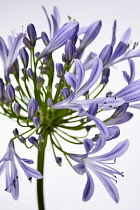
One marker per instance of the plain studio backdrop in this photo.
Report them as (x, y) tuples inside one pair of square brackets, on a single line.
[(63, 187)]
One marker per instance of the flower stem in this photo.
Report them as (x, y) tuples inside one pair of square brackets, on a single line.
[(40, 167)]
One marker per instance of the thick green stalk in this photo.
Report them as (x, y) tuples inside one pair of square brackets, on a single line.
[(40, 167)]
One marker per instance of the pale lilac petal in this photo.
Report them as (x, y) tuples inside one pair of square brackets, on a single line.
[(14, 51), (88, 144), (114, 132), (99, 144), (90, 34), (120, 49), (131, 54), (137, 106), (130, 93), (109, 186), (3, 51), (80, 168), (82, 30), (126, 36), (77, 157), (89, 61), (132, 70), (106, 54), (114, 34), (14, 178), (68, 31), (71, 80), (120, 119), (56, 15), (116, 152), (126, 76), (49, 22), (55, 25), (89, 187), (94, 76), (93, 108), (120, 110), (100, 125), (80, 72)]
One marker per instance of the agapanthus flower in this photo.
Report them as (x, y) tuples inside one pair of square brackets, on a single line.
[(8, 163), (100, 166)]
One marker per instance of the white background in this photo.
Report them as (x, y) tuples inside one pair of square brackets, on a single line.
[(63, 187)]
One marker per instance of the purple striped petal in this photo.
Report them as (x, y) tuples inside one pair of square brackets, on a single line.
[(89, 61), (71, 80), (89, 187), (14, 50), (93, 108), (3, 51), (80, 168), (80, 72), (114, 34), (120, 119), (14, 179), (116, 152), (106, 54), (94, 76), (120, 49), (109, 186), (68, 31), (126, 36), (114, 132), (100, 125), (88, 144), (132, 70), (120, 110), (130, 93), (56, 15), (137, 106), (90, 34), (55, 25), (99, 144)]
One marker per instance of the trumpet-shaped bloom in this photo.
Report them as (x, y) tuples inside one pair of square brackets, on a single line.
[(100, 166), (9, 56), (8, 164)]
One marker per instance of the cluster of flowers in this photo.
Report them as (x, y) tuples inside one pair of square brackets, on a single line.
[(45, 97)]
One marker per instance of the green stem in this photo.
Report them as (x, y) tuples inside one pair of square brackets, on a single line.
[(40, 167)]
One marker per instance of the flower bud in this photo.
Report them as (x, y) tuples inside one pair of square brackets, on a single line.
[(1, 88), (24, 57), (32, 34), (65, 92), (69, 51), (41, 138), (15, 132), (33, 141), (49, 102), (59, 69), (45, 38), (17, 108), (30, 73), (10, 93), (22, 139), (27, 43), (40, 82), (58, 160), (36, 122), (32, 108)]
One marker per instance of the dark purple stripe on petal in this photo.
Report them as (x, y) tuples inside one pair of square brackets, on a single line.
[(89, 187)]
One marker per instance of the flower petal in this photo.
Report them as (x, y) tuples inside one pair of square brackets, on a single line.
[(79, 71), (109, 186), (88, 144), (68, 31), (89, 187), (116, 152), (114, 132), (94, 76), (120, 119)]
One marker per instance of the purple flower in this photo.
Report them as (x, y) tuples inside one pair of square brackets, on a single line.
[(100, 166), (11, 172), (68, 31), (9, 56)]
